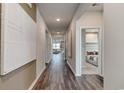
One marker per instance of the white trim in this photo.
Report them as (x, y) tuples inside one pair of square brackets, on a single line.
[(78, 52), (49, 60), (78, 75), (34, 82), (100, 45), (2, 38), (71, 67)]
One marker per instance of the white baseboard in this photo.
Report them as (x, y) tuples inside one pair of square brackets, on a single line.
[(71, 67), (78, 75), (35, 81), (49, 60), (101, 75)]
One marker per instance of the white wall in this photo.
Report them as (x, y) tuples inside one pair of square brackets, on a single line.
[(114, 46), (22, 77), (18, 36), (92, 41), (82, 18), (92, 47), (72, 61), (48, 47), (91, 37), (90, 19), (41, 28)]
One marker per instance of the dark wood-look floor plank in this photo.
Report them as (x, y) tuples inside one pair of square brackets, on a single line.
[(58, 76)]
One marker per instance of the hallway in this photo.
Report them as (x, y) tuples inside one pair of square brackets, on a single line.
[(58, 76), (90, 36)]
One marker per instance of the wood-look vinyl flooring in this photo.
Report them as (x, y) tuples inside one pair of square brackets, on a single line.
[(58, 76)]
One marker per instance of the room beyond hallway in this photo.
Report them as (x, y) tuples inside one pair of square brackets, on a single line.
[(90, 69), (58, 76), (90, 45)]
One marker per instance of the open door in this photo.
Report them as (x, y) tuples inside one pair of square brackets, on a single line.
[(91, 51)]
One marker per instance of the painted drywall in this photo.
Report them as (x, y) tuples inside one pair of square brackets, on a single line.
[(91, 37), (72, 27), (41, 28), (114, 46), (30, 10), (91, 41), (82, 18), (23, 77), (92, 47), (18, 35), (19, 79), (48, 47), (90, 19), (43, 38)]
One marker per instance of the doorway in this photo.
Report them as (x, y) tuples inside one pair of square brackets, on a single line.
[(58, 44), (91, 51)]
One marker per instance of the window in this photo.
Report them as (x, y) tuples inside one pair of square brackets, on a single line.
[(56, 46), (91, 37)]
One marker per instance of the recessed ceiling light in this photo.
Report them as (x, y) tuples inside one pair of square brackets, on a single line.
[(58, 19)]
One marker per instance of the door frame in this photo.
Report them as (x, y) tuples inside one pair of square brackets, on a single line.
[(100, 67)]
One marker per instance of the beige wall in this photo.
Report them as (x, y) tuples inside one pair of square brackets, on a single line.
[(43, 55), (114, 46), (90, 19), (20, 78), (48, 47), (72, 27), (31, 11), (41, 45), (23, 77), (83, 17)]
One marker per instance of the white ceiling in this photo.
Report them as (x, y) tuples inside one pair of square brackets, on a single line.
[(52, 11)]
